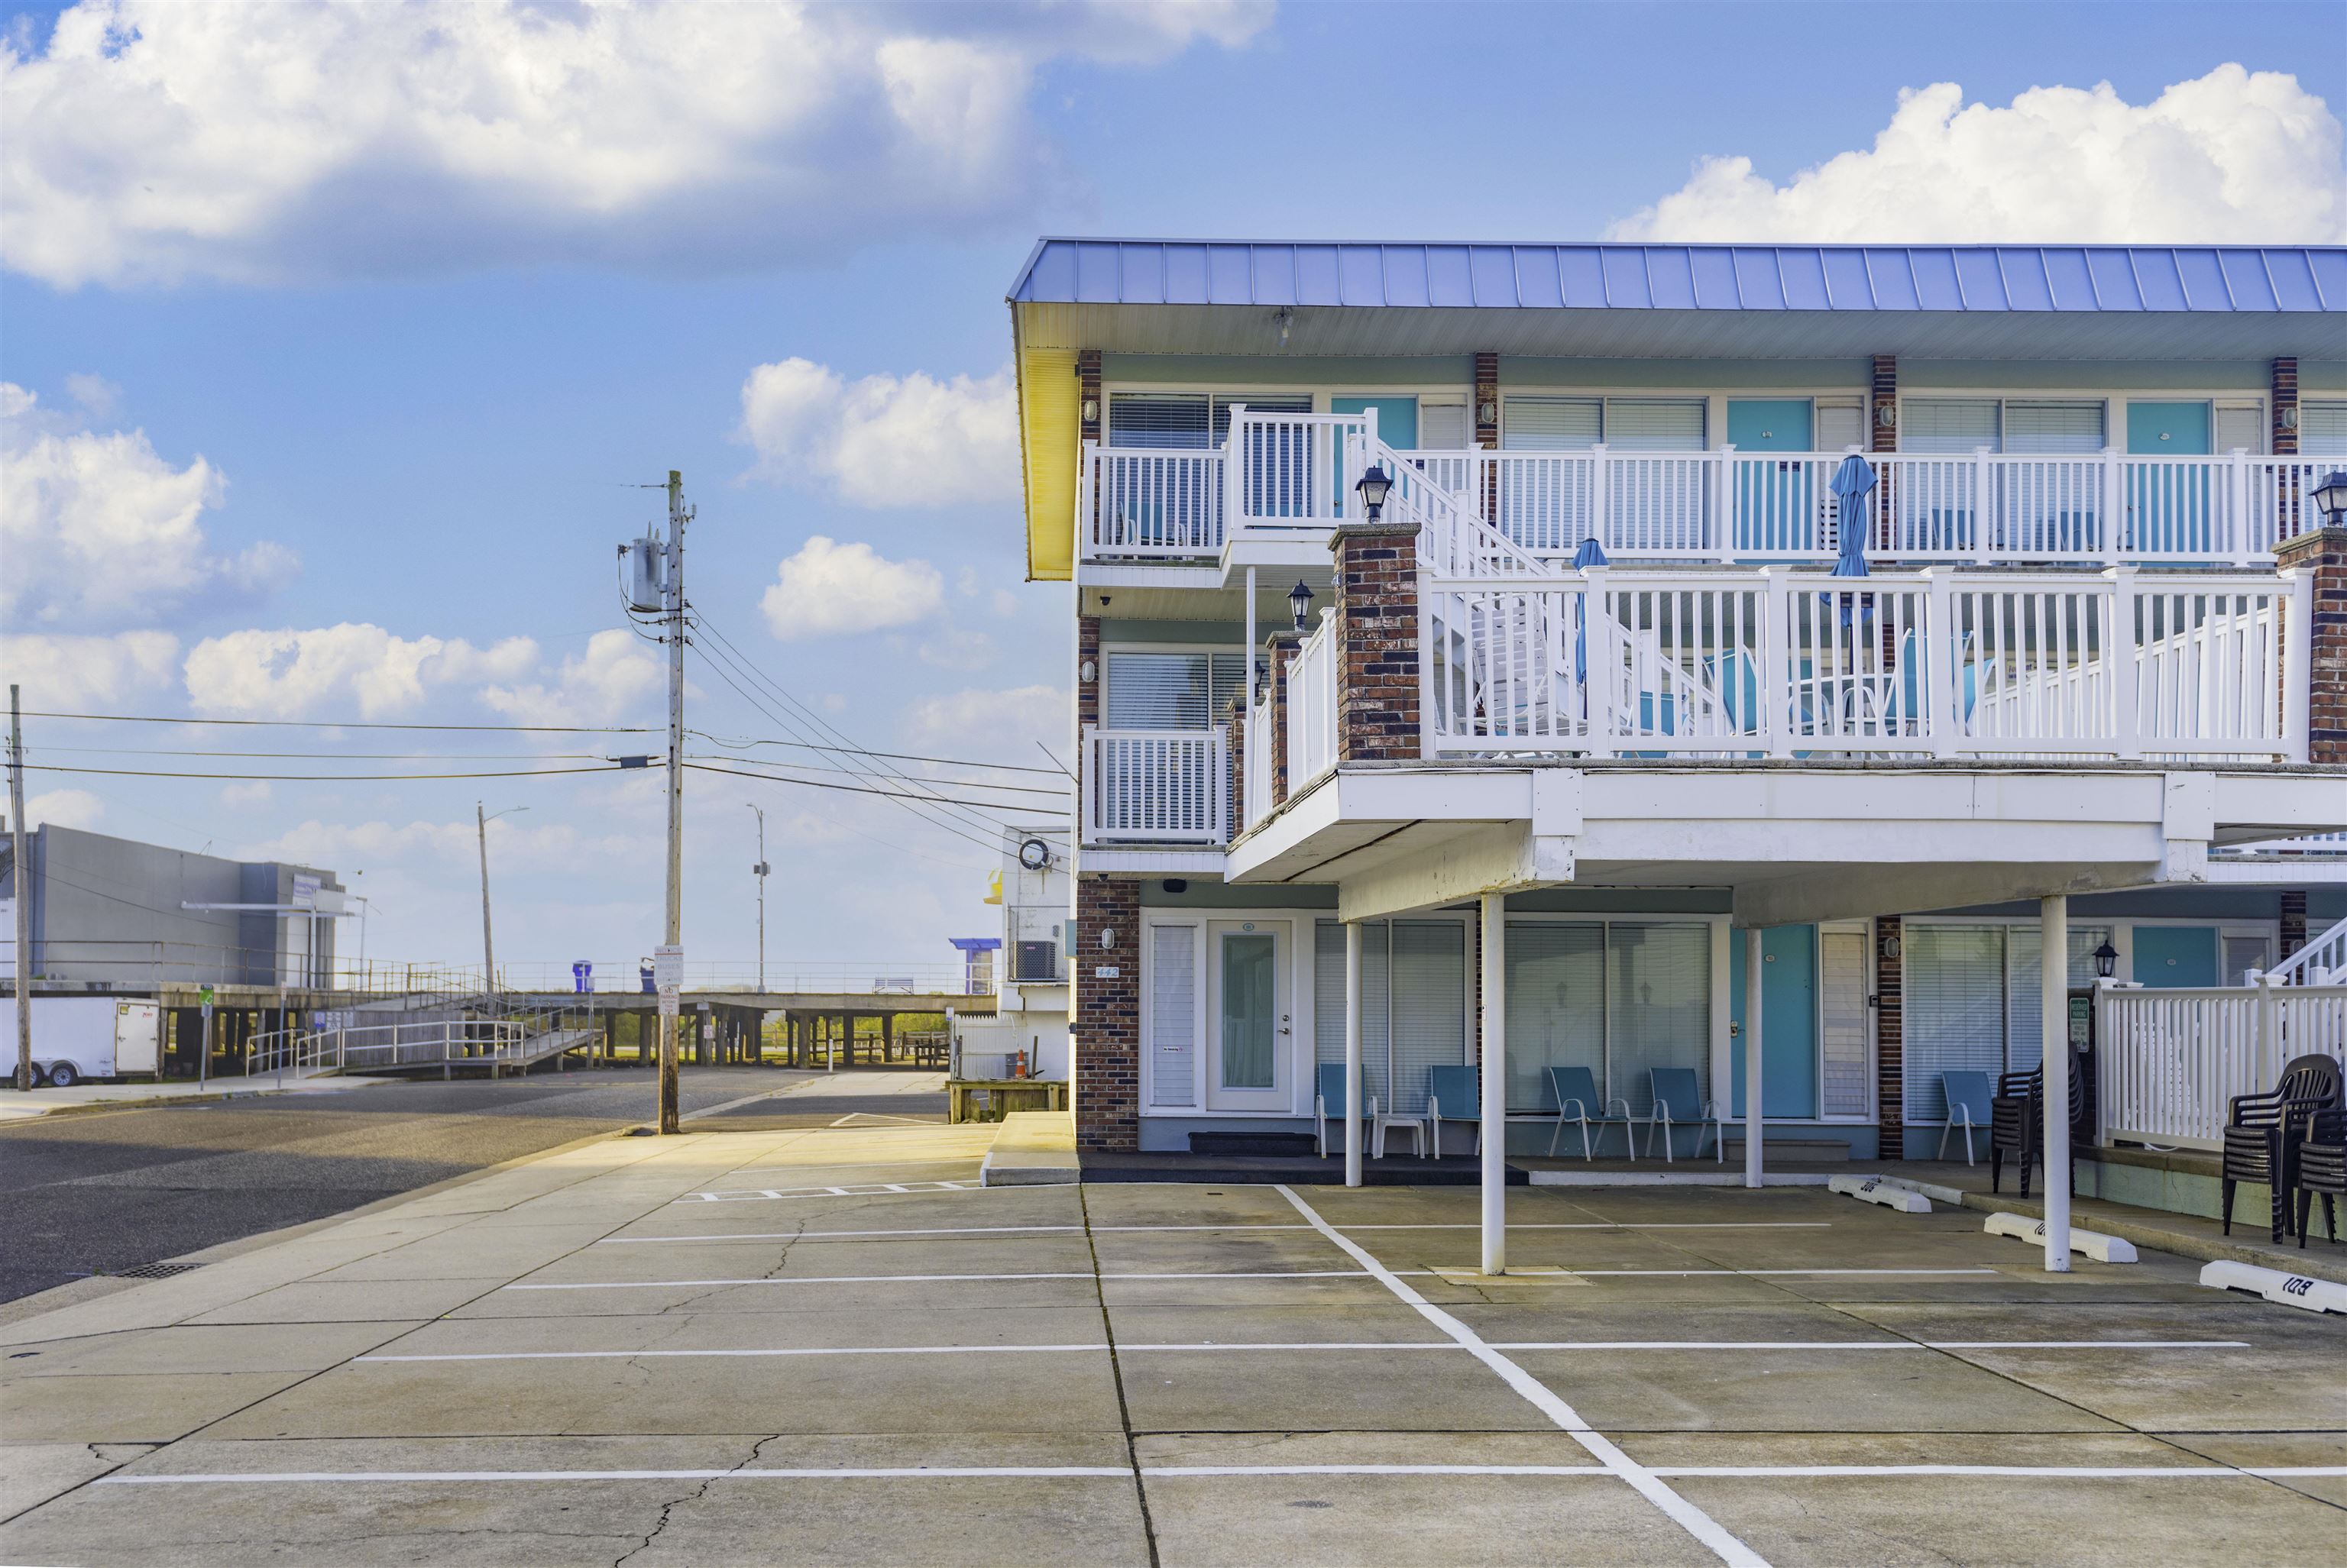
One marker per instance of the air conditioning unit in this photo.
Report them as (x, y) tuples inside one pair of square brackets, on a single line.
[(1036, 963)]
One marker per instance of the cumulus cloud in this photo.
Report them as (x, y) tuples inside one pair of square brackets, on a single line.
[(829, 587), (64, 808), (101, 530), (884, 440), (250, 793), (615, 675), (155, 140), (288, 674), (1002, 724), (2231, 156), (66, 672)]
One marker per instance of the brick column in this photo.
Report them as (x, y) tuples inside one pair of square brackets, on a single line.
[(1107, 1024), (2285, 401), (1486, 413), (1088, 377), (1377, 641), (1890, 1042), (2323, 551), (1236, 723), (1281, 646), (2294, 921), (1881, 437)]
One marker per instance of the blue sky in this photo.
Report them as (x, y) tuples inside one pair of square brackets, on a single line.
[(430, 387)]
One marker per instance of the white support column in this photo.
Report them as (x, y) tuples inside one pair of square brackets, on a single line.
[(2054, 1025), (1354, 1104), (1247, 654), (1494, 1064), (1752, 1096)]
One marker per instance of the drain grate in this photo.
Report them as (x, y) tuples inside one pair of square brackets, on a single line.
[(148, 1271)]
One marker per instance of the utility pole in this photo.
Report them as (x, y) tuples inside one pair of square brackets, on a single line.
[(488, 947), (24, 901), (678, 515), (759, 870)]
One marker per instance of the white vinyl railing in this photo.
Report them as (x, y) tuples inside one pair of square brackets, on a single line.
[(1937, 662), (2322, 962), (1281, 473), (1156, 786), (1312, 705), (2171, 1060), (1255, 794)]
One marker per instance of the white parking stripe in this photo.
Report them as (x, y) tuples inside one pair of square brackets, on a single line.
[(1124, 1473), (1123, 1229), (1688, 1516), (859, 1190), (1213, 1346), (849, 1234), (788, 1350), (1207, 1274)]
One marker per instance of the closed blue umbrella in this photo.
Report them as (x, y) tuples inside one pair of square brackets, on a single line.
[(1590, 554), (1852, 481)]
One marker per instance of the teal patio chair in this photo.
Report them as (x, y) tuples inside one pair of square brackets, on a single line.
[(1456, 1087), (1678, 1101), (1969, 1096), (1575, 1089), (1329, 1102)]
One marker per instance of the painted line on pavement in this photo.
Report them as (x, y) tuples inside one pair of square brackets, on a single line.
[(857, 1189), (1126, 1229), (850, 1235), (684, 1355), (1212, 1274), (1541, 1397), (1211, 1347), (1125, 1472)]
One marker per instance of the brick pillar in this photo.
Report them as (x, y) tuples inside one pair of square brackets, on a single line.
[(2285, 402), (1487, 425), (1377, 641), (1088, 378), (2323, 551), (1890, 1042), (1881, 437), (1107, 1024), (1282, 646), (2294, 921)]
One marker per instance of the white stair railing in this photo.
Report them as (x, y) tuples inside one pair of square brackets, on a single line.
[(2322, 962)]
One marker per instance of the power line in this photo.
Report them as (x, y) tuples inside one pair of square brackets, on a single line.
[(325, 756), (318, 777), (860, 789), (865, 752), (819, 768), (365, 723)]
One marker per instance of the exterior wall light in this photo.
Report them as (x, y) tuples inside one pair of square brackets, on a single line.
[(2289, 417), (2107, 959), (1373, 484), (1091, 411), (2331, 496), (1886, 413), (1299, 602)]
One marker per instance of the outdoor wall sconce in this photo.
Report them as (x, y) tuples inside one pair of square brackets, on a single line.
[(2289, 417), (1488, 414), (1088, 672), (2331, 496), (1886, 414), (1300, 601), (1373, 484), (1091, 411), (1108, 939), (2107, 959)]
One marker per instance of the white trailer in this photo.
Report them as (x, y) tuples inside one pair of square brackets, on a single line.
[(78, 1037)]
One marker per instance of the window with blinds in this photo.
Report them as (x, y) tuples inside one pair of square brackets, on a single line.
[(1551, 423), (1556, 1006), (1972, 1003), (1187, 419), (2025, 1031), (1840, 426), (2240, 427), (1658, 1007), (1845, 1025), (1654, 425), (1413, 1005), (1617, 997), (2323, 429), (1170, 691), (1949, 424), (1172, 1016), (2053, 427), (1442, 427), (1626, 424)]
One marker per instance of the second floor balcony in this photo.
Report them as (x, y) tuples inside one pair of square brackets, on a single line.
[(1287, 478)]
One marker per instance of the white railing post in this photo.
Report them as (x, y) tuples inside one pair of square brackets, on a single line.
[(1234, 480), (1776, 683), (2115, 518), (2298, 662), (1601, 499), (1942, 651), (1984, 507), (1091, 765), (1601, 675), (2121, 654), (1218, 782), (1720, 527), (1087, 495), (2237, 502)]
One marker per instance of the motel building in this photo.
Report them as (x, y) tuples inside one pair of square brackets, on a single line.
[(1635, 728)]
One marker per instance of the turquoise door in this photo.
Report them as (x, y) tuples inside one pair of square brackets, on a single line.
[(2174, 955), (1396, 427), (1788, 1020), (2170, 506), (1776, 505)]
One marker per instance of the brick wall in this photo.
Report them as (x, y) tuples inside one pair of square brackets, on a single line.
[(1282, 646), (2294, 921), (2324, 552), (1108, 1014), (1088, 376), (1890, 1042), (1883, 437), (1377, 641), (2285, 399)]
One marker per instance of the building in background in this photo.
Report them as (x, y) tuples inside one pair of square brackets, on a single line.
[(112, 914), (1030, 1025)]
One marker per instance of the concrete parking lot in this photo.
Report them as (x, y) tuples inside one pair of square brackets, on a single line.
[(829, 1345)]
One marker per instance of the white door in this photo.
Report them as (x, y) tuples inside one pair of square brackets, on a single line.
[(1250, 1017)]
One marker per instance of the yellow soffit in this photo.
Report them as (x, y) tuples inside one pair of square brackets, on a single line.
[(1048, 396)]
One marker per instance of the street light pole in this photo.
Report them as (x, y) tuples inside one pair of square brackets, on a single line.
[(678, 515), (24, 899), (760, 871), (488, 943)]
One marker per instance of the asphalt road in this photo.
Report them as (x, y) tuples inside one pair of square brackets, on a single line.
[(101, 1191)]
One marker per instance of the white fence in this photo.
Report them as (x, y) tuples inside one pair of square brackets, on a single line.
[(1255, 795), (1937, 664), (1156, 786), (1277, 472), (2171, 1060), (1312, 705)]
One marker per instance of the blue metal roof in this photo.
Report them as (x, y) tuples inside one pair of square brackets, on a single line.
[(1907, 277)]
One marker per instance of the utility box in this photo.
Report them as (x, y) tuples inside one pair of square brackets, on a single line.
[(78, 1037), (644, 574)]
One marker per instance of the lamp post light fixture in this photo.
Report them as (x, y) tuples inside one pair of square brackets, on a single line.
[(2107, 959), (1373, 484), (2330, 495), (1299, 602)]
